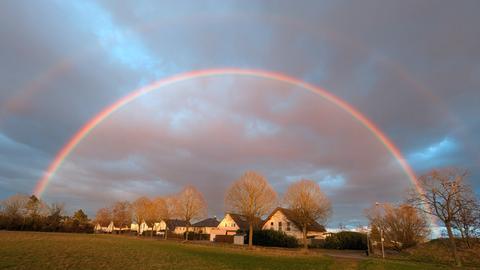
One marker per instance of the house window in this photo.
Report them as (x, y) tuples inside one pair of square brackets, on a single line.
[(271, 225), (288, 226), (279, 225)]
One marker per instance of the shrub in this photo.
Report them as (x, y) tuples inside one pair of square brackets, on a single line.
[(197, 236), (332, 242), (271, 238), (346, 240)]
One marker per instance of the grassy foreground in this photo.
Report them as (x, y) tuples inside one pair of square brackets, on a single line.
[(29, 250)]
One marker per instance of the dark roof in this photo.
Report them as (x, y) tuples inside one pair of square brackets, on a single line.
[(242, 221), (173, 223), (313, 227), (209, 222)]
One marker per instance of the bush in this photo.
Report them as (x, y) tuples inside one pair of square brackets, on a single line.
[(346, 240), (317, 243), (197, 236), (271, 238)]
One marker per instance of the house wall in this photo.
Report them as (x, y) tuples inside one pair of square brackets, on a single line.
[(203, 230), (228, 224), (287, 226), (181, 229), (294, 230)]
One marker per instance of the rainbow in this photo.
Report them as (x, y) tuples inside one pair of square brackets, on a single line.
[(105, 113)]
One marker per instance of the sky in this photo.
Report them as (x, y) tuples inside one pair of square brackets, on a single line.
[(411, 67)]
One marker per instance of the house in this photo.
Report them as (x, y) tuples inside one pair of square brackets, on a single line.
[(103, 228), (175, 226), (205, 226), (144, 228), (230, 224), (134, 227), (283, 219)]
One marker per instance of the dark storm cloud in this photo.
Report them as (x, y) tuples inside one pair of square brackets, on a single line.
[(412, 67)]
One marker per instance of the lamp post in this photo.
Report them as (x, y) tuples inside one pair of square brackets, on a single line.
[(381, 235), (368, 244)]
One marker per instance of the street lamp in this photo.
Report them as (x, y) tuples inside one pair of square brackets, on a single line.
[(381, 234)]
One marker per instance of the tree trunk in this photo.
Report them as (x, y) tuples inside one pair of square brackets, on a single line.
[(467, 238), (453, 245), (305, 244), (250, 236), (186, 234)]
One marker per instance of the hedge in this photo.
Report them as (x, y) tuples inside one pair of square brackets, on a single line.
[(346, 240), (271, 238)]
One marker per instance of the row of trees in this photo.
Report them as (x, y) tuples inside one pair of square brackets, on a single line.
[(443, 195), (187, 205), (251, 196), (28, 213)]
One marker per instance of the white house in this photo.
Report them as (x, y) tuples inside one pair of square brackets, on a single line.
[(230, 224), (102, 228), (205, 226), (144, 228), (282, 219), (175, 226), (134, 227)]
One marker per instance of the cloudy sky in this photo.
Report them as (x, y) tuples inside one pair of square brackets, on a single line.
[(412, 67)]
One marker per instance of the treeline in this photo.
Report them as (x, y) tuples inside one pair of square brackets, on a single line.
[(28, 213), (186, 205)]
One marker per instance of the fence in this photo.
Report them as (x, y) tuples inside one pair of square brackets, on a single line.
[(224, 238)]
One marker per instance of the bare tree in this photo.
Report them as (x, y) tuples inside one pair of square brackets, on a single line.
[(152, 214), (165, 209), (467, 219), (122, 214), (56, 215), (34, 209), (103, 216), (308, 203), (403, 226), (439, 197), (190, 205), (14, 210), (140, 209), (252, 196)]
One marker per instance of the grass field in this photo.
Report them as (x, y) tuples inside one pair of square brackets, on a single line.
[(29, 250)]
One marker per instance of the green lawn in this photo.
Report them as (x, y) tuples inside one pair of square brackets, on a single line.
[(28, 250)]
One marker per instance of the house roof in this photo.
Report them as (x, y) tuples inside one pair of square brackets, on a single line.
[(209, 222), (242, 221), (290, 215), (173, 223)]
